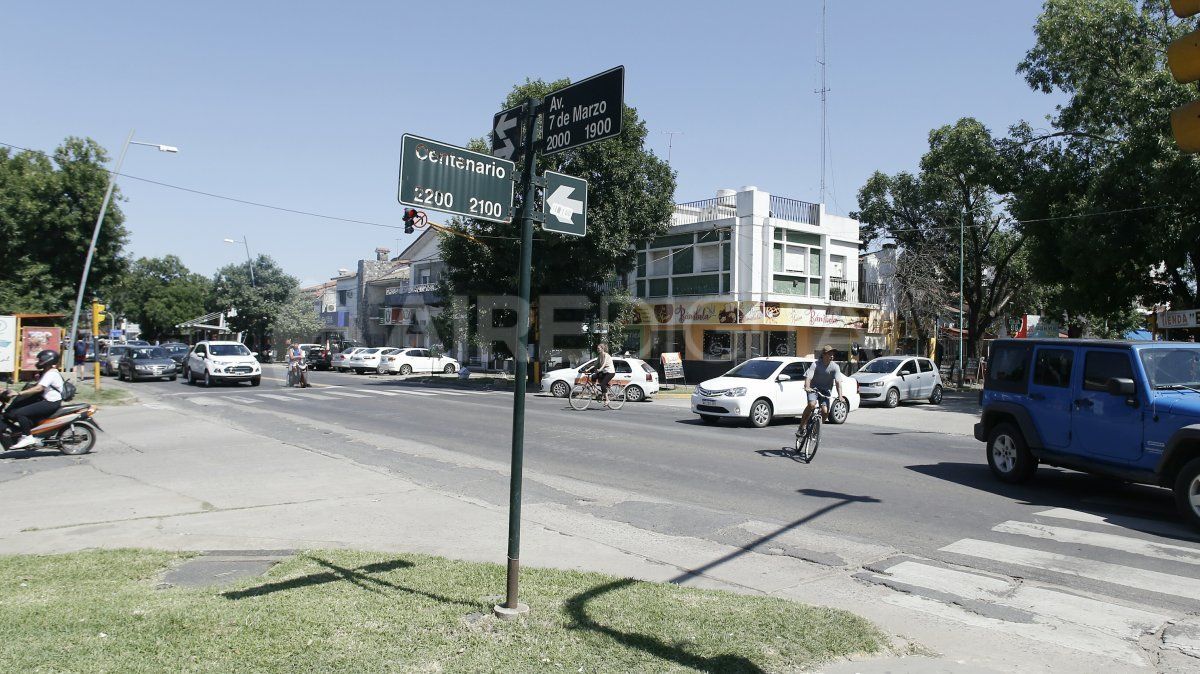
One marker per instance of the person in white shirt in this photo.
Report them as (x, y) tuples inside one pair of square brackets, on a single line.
[(39, 402), (604, 370)]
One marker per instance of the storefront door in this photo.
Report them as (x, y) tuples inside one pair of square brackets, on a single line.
[(747, 345)]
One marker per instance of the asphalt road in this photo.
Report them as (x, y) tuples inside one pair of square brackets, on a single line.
[(914, 489)]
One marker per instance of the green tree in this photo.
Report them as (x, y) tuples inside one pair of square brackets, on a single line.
[(962, 181), (257, 303), (48, 208), (297, 318), (160, 293), (1111, 206), (630, 194)]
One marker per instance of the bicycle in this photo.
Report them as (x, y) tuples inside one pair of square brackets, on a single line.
[(586, 390), (808, 438)]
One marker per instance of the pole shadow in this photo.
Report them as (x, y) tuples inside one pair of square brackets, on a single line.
[(360, 577)]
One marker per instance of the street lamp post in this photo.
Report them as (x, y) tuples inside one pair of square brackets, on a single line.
[(87, 263), (249, 260)]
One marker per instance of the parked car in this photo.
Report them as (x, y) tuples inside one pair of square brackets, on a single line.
[(176, 350), (212, 362), (1127, 410), (760, 389), (340, 359), (367, 360), (110, 359), (642, 380), (137, 342), (146, 362), (408, 361), (318, 358), (891, 379)]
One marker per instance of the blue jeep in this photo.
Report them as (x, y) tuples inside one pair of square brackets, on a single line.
[(1127, 410)]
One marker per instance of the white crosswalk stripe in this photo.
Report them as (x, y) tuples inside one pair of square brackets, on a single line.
[(444, 392), (376, 392), (314, 396), (1117, 574), (243, 400), (1137, 546), (274, 396), (414, 393), (346, 394), (1126, 521)]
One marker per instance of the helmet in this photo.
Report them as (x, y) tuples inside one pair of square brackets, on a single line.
[(46, 358)]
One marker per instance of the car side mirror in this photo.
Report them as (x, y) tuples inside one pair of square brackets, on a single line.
[(1120, 386), (784, 377)]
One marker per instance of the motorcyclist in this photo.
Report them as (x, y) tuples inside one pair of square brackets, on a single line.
[(38, 402), (295, 357)]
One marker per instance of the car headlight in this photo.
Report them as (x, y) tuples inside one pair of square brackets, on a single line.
[(736, 392), (871, 383)]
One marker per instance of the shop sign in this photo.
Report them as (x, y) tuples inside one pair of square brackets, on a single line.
[(749, 313), (672, 364), (34, 340), (1177, 319)]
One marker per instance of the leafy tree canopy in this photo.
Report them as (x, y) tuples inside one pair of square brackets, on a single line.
[(160, 293), (257, 304), (297, 318)]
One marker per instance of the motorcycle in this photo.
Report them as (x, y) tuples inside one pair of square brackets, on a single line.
[(71, 430), (298, 374)]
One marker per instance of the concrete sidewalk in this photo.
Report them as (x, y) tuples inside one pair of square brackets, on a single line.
[(211, 486)]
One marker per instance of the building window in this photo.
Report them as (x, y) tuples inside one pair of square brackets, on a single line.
[(667, 341), (660, 262), (681, 260), (344, 296), (837, 266), (709, 258), (718, 345)]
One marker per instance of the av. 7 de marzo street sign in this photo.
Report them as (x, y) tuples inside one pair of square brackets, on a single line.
[(585, 112), (565, 204), (452, 179)]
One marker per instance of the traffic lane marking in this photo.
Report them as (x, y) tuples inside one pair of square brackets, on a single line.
[(1137, 546)]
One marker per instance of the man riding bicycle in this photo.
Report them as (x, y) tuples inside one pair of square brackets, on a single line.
[(819, 382)]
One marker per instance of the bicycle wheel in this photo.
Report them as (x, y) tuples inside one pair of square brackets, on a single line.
[(616, 396), (581, 397), (814, 439)]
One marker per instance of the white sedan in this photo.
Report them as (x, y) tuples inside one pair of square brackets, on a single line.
[(367, 359), (642, 380), (761, 389), (340, 361), (408, 361)]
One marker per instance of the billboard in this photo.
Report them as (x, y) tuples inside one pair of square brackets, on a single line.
[(37, 339)]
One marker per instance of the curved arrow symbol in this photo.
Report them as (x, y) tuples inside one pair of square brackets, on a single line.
[(562, 206)]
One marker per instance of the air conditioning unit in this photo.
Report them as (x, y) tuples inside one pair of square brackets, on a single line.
[(329, 308)]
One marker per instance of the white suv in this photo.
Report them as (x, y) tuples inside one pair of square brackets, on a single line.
[(211, 362), (763, 388)]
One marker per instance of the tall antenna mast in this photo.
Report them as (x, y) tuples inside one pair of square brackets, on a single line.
[(671, 142), (823, 91)]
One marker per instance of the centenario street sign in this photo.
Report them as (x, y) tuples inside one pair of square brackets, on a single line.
[(450, 179)]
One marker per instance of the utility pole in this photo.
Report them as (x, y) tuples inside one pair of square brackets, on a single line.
[(823, 91)]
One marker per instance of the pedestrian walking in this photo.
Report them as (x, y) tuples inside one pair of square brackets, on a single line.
[(81, 348)]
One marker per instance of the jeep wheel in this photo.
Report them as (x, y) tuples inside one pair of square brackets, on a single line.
[(893, 398), (1187, 492), (1007, 455)]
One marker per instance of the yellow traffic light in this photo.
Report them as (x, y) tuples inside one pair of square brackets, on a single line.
[(98, 313), (1185, 8), (1183, 60)]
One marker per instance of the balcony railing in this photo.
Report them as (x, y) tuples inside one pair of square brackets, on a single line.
[(842, 290), (794, 210), (705, 210)]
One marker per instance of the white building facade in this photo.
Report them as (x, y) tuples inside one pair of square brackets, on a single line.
[(750, 274)]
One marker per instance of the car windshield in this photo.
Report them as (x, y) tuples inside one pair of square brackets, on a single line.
[(755, 369), (881, 365), (228, 350), (176, 348), (1172, 367), (147, 354), (117, 350), (367, 352)]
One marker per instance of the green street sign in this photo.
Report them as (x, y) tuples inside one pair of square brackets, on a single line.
[(565, 204), (455, 180)]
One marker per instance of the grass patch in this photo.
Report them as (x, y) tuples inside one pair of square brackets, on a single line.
[(345, 611), (108, 395)]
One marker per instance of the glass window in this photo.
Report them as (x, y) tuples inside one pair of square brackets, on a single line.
[(1008, 369), (201, 349), (1172, 367), (681, 260), (881, 366), (814, 261), (909, 367), (755, 369), (801, 237), (657, 287), (229, 350), (709, 258), (790, 285), (725, 256), (926, 364), (641, 288), (667, 341), (796, 370), (780, 343), (641, 264), (660, 263), (622, 367), (695, 285), (777, 257), (673, 240), (718, 345), (725, 283), (1052, 367), (1100, 366), (837, 266)]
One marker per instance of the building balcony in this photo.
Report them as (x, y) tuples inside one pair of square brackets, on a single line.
[(413, 295), (855, 292)]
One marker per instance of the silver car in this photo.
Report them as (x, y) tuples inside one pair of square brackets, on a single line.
[(110, 359), (891, 379)]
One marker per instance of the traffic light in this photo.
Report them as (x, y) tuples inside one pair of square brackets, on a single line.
[(410, 219), (98, 315), (1183, 60)]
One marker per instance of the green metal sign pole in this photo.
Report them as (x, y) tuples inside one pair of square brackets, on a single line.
[(512, 606)]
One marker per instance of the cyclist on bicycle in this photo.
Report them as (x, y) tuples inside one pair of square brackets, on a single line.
[(821, 379), (603, 370)]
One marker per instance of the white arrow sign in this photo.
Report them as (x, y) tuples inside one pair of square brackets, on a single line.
[(503, 125), (562, 206), (505, 151)]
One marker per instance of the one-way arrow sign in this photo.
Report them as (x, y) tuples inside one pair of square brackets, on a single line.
[(506, 134), (565, 204)]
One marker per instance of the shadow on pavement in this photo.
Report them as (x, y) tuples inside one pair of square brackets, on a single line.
[(30, 453), (360, 577), (1133, 506), (577, 606)]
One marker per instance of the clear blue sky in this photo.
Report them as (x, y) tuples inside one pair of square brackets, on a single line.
[(302, 104)]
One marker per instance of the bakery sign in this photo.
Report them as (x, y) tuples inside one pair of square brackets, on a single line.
[(748, 313)]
